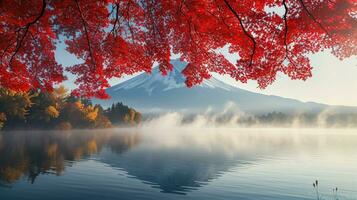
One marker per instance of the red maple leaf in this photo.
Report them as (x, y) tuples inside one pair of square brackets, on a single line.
[(118, 37)]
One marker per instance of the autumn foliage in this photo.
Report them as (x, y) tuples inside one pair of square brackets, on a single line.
[(118, 37), (59, 110)]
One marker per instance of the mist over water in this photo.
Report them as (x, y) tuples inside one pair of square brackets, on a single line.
[(171, 162), (232, 117)]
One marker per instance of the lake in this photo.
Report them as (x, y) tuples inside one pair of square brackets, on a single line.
[(179, 163)]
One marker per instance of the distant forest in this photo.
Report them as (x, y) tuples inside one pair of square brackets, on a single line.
[(277, 119), (58, 110), (323, 119)]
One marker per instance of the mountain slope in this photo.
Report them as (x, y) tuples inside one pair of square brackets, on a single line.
[(157, 93)]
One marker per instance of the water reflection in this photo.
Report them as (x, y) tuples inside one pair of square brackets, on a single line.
[(181, 162), (175, 161), (30, 154)]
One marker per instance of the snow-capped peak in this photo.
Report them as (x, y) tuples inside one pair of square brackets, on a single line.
[(174, 79)]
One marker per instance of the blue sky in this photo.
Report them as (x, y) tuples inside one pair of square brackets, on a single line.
[(334, 81)]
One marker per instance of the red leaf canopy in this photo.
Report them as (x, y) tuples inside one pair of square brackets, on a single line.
[(118, 37)]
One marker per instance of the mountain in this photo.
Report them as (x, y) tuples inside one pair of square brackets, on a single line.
[(151, 93)]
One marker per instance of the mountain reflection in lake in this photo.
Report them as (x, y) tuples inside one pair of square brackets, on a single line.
[(178, 164)]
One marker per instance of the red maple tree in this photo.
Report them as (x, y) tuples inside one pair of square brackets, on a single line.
[(117, 37)]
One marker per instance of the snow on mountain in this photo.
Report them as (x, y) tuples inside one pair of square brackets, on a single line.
[(156, 93), (173, 80)]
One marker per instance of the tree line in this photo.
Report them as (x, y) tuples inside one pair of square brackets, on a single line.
[(59, 110)]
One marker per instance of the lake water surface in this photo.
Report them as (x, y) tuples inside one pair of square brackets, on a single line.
[(182, 163)]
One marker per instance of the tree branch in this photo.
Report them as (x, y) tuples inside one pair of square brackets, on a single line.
[(244, 30), (128, 22), (26, 28), (286, 27), (85, 32), (285, 17), (314, 18), (116, 18)]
